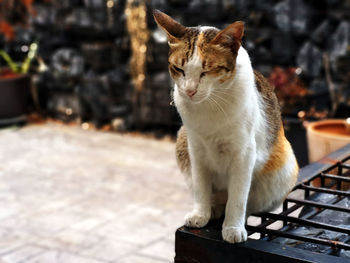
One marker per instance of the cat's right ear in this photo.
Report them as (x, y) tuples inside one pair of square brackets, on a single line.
[(172, 28), (234, 31)]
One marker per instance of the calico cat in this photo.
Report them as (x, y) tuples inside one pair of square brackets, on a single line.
[(231, 147)]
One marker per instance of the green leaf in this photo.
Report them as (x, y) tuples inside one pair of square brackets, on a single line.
[(31, 55), (13, 66)]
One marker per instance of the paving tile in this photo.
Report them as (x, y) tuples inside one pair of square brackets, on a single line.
[(161, 248), (43, 225), (22, 254), (141, 259), (70, 240), (87, 224), (141, 226), (56, 221), (95, 206), (61, 257), (11, 239), (108, 250)]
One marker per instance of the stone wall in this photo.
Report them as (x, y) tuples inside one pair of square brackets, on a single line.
[(86, 47)]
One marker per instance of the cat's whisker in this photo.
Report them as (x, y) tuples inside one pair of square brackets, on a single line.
[(222, 88), (217, 97), (214, 104), (225, 94), (200, 99), (228, 94), (223, 100), (222, 91), (208, 101), (227, 102), (219, 107)]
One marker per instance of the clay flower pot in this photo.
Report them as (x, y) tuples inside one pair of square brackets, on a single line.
[(327, 136), (14, 97)]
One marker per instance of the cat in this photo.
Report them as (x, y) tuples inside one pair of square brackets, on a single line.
[(231, 147)]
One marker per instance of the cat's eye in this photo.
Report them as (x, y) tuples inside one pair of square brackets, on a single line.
[(179, 70), (214, 70), (219, 68)]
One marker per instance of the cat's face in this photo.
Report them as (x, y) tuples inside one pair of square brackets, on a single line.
[(202, 59)]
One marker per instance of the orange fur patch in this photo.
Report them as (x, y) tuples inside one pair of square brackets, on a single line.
[(199, 43), (182, 156), (214, 56), (278, 155)]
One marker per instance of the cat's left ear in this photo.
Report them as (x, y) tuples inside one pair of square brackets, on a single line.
[(234, 31), (173, 28)]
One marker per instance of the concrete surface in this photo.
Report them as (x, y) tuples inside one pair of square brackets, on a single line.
[(69, 195)]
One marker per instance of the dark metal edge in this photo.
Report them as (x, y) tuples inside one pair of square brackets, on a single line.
[(315, 168), (249, 251)]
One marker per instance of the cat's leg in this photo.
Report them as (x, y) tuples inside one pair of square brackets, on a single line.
[(233, 229), (201, 191), (197, 179)]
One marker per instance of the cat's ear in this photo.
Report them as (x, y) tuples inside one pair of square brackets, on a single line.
[(234, 31), (173, 28)]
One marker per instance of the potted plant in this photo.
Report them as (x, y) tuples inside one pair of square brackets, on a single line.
[(14, 78), (15, 87)]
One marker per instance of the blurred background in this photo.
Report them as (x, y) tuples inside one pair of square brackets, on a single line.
[(103, 63), (70, 70)]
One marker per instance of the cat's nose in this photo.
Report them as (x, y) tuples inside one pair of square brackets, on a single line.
[(190, 93)]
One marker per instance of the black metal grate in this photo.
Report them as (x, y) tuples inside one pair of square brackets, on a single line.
[(334, 181), (322, 208)]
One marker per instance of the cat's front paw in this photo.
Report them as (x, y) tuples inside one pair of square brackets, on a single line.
[(233, 234), (197, 219)]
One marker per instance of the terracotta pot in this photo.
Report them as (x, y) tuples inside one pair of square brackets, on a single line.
[(14, 98), (325, 137)]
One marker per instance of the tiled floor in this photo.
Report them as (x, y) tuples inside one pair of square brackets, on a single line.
[(69, 195)]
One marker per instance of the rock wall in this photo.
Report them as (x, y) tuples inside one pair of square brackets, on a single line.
[(86, 47)]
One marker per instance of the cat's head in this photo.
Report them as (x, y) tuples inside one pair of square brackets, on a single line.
[(201, 59)]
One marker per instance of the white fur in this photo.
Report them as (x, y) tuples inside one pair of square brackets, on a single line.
[(226, 130)]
